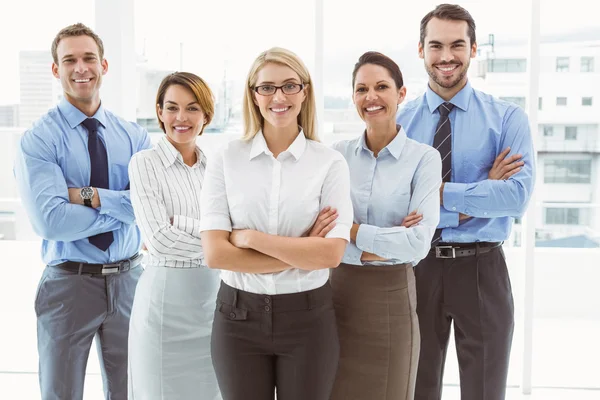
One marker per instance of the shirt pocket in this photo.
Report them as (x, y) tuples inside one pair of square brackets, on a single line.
[(396, 206)]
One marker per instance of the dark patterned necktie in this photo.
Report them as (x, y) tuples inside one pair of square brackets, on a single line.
[(98, 174), (442, 142)]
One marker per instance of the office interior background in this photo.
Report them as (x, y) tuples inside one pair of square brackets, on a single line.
[(543, 55)]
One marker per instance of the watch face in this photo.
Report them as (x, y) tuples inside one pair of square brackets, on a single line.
[(87, 193)]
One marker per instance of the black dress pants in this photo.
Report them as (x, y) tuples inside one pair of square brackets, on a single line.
[(287, 342), (475, 293)]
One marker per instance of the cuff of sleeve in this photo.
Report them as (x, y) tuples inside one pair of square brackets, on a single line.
[(187, 225), (215, 223), (352, 255), (448, 219), (454, 196), (365, 238), (109, 200)]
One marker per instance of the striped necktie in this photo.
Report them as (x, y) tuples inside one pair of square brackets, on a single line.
[(442, 142)]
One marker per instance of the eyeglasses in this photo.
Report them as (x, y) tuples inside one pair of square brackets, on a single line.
[(288, 88)]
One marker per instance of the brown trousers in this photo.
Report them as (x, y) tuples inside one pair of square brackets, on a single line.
[(287, 342), (474, 292), (379, 332)]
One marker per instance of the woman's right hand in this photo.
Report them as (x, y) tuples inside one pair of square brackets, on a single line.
[(411, 219), (324, 224)]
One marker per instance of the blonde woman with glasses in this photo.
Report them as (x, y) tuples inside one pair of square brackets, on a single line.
[(274, 320)]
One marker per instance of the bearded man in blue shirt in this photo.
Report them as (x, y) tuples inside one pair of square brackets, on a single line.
[(488, 174), (71, 170)]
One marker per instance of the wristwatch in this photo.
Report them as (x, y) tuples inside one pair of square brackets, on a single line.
[(87, 194)]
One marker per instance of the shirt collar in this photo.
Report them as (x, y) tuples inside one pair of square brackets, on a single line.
[(259, 146), (75, 117), (460, 99), (394, 147), (168, 154)]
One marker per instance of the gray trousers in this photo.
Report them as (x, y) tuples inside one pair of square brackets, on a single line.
[(475, 293), (71, 310)]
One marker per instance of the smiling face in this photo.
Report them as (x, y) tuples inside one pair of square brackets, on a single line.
[(80, 71), (279, 110), (447, 53), (376, 96), (181, 115)]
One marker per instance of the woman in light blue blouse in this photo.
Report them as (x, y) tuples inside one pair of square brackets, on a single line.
[(395, 193)]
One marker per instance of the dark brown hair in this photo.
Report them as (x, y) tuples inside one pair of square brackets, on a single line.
[(449, 12), (373, 57), (196, 85), (77, 29)]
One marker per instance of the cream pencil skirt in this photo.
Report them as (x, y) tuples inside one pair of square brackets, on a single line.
[(169, 335)]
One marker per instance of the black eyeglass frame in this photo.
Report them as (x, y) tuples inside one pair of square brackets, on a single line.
[(301, 85)]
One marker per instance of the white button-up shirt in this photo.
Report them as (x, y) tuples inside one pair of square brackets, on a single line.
[(164, 187), (247, 188)]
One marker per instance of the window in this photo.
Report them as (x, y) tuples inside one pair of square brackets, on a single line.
[(507, 65), (586, 101), (539, 103), (562, 216), (567, 171), (587, 64), (562, 64), (548, 130), (520, 101), (570, 133), (561, 101)]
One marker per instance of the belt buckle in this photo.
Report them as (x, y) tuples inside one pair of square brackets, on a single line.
[(438, 252), (110, 269), (125, 265)]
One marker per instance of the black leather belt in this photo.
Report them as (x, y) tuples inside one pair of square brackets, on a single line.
[(454, 250), (102, 269)]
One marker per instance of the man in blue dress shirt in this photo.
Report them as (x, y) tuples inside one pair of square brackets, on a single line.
[(71, 170), (488, 176)]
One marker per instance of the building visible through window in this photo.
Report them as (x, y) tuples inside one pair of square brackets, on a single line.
[(587, 64)]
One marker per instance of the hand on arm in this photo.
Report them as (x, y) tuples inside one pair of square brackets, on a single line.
[(508, 187), (411, 219), (221, 251), (504, 167)]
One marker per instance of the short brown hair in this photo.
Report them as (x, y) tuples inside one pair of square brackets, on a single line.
[(373, 57), (196, 85), (449, 12), (77, 29)]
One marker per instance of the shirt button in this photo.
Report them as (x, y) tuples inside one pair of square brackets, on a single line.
[(453, 208), (267, 300), (485, 213), (232, 315), (267, 308), (447, 226)]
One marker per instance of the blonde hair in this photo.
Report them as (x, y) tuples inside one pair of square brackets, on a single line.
[(253, 119)]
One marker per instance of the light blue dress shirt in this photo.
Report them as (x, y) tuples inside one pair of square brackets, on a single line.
[(482, 127), (53, 156), (405, 176)]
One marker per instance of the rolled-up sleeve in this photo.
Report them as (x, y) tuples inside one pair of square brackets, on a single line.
[(336, 194), (214, 208)]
